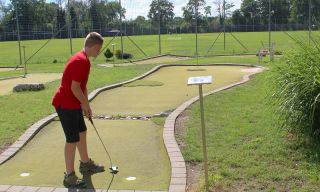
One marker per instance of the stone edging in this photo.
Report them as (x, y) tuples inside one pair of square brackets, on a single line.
[(154, 57), (178, 172), (178, 182), (9, 188), (14, 77)]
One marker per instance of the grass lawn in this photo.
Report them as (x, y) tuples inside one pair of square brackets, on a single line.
[(247, 151), (181, 44)]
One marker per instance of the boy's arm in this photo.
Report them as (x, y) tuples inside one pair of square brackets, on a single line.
[(82, 97), (86, 93)]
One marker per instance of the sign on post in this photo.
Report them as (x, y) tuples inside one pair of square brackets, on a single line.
[(200, 80)]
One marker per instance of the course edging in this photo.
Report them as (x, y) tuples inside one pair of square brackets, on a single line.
[(178, 168)]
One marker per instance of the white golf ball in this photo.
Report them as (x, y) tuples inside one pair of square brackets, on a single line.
[(25, 174), (131, 178)]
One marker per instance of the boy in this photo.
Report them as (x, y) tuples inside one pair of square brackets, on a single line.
[(70, 100)]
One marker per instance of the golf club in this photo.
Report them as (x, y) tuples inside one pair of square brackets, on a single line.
[(113, 169)]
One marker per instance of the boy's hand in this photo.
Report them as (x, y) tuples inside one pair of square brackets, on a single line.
[(87, 110)]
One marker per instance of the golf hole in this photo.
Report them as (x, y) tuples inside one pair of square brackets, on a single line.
[(24, 174), (131, 178)]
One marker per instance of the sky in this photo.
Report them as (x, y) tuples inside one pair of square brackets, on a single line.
[(141, 7)]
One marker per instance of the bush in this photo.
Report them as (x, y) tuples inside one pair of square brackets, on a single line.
[(118, 54), (108, 54), (297, 90), (277, 52), (127, 56)]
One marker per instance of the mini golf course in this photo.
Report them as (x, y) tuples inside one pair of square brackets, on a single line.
[(136, 146)]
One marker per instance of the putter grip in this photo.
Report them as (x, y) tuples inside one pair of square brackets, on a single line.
[(90, 119)]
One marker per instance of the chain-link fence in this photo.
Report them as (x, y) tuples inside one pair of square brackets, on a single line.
[(38, 32)]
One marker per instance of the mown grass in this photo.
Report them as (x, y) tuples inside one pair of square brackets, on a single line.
[(181, 44), (247, 150)]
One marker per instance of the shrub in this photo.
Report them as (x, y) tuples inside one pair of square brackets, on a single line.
[(127, 56), (297, 90), (118, 54), (277, 52), (108, 54)]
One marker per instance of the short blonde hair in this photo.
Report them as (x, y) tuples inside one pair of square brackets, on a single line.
[(92, 39)]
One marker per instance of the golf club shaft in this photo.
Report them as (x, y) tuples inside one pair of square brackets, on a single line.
[(104, 146)]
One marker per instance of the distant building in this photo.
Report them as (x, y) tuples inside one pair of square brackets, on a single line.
[(114, 32)]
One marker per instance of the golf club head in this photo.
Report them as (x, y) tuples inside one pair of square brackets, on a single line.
[(114, 169)]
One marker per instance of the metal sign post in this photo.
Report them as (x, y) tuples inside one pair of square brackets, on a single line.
[(113, 53), (24, 61), (200, 80)]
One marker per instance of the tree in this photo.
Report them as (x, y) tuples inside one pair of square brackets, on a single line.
[(207, 11), (280, 10), (113, 11), (83, 15), (95, 15), (44, 15), (25, 10), (2, 9), (141, 23), (163, 10), (238, 18), (250, 11), (224, 10), (189, 11), (300, 11), (61, 22), (74, 20)]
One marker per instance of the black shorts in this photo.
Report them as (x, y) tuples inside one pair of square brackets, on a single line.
[(72, 122)]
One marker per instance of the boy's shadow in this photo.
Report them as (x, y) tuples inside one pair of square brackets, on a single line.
[(86, 177), (88, 181)]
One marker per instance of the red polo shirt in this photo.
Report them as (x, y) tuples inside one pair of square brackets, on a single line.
[(77, 69)]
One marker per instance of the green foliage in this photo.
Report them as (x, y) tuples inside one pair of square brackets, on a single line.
[(108, 54), (118, 54), (297, 90), (164, 8)]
